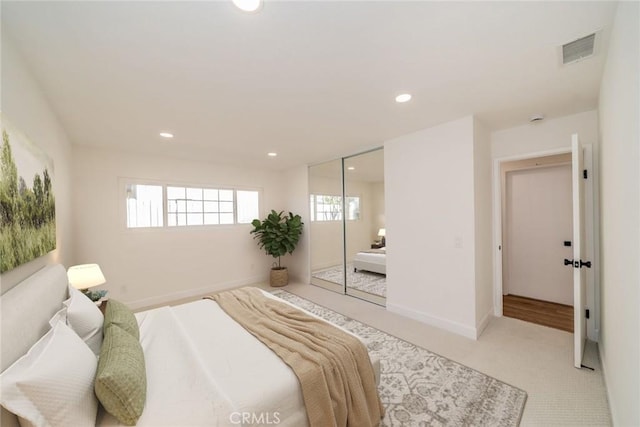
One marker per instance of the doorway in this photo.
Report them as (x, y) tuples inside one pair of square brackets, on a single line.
[(584, 178), (537, 236)]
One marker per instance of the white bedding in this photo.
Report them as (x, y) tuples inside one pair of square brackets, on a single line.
[(376, 262), (177, 391), (203, 368)]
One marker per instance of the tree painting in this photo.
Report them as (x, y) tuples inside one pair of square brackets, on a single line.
[(27, 211)]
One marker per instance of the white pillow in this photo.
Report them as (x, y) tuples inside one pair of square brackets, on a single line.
[(52, 385), (84, 317)]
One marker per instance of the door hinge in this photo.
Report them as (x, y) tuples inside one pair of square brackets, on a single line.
[(585, 174), (585, 264), (586, 314)]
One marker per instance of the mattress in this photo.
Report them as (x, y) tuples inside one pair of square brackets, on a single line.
[(375, 262), (203, 368)]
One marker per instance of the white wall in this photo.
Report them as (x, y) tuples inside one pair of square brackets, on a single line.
[(545, 136), (620, 217), (482, 225), (26, 107), (150, 266), (358, 232), (377, 219), (553, 136), (296, 190), (430, 205)]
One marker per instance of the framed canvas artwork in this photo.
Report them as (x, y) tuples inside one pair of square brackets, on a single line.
[(27, 202)]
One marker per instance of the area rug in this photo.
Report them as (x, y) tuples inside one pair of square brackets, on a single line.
[(366, 281), (421, 388)]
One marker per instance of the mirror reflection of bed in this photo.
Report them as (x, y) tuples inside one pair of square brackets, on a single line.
[(366, 272), (370, 271)]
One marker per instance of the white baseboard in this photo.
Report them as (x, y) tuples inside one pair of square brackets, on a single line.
[(190, 293), (612, 409), (325, 265), (483, 323), (438, 322)]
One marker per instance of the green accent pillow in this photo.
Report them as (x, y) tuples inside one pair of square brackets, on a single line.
[(119, 314), (121, 379)]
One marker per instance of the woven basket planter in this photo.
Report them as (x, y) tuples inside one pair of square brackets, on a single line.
[(279, 277)]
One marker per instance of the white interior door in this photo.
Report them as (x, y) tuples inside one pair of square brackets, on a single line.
[(579, 279)]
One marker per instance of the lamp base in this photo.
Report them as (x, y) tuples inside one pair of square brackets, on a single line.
[(95, 295)]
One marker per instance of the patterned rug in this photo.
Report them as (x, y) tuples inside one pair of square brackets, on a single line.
[(421, 388), (366, 281)]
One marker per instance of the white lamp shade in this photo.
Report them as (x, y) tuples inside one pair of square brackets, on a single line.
[(382, 232), (248, 5), (85, 276)]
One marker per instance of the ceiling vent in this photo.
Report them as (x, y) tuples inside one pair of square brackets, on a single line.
[(578, 49)]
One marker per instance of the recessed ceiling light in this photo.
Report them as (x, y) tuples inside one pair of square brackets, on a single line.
[(166, 135), (272, 154), (248, 5), (403, 97), (351, 168)]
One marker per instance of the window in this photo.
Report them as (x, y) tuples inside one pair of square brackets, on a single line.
[(247, 202), (199, 206), (144, 206), (329, 208), (189, 206), (353, 208)]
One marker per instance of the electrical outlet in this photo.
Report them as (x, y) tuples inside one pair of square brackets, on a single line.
[(457, 242)]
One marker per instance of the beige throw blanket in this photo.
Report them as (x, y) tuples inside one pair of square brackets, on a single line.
[(333, 367)]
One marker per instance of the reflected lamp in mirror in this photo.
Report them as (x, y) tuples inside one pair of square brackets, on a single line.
[(85, 276), (382, 233)]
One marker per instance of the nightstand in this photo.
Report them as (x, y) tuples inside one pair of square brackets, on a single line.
[(377, 246)]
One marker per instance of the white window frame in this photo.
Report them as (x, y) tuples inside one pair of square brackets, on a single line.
[(313, 200), (123, 182)]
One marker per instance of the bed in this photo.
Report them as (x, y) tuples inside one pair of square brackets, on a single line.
[(374, 260), (201, 366)]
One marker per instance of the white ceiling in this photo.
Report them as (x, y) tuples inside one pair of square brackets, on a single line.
[(309, 80), (368, 166)]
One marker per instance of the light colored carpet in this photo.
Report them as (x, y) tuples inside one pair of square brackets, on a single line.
[(532, 357), (421, 388), (365, 281)]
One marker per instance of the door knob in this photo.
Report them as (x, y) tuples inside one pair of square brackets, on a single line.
[(568, 262)]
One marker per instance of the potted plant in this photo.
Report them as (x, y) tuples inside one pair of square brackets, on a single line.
[(278, 234)]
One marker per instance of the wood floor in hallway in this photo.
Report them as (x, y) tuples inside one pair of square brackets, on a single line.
[(544, 313)]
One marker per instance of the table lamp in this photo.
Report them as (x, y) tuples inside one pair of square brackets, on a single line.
[(85, 276), (382, 233)]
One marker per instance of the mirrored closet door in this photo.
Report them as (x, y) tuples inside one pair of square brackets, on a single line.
[(347, 231), (365, 233), (325, 228)]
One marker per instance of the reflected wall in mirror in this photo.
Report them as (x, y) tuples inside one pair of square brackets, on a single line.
[(326, 228), (365, 232)]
